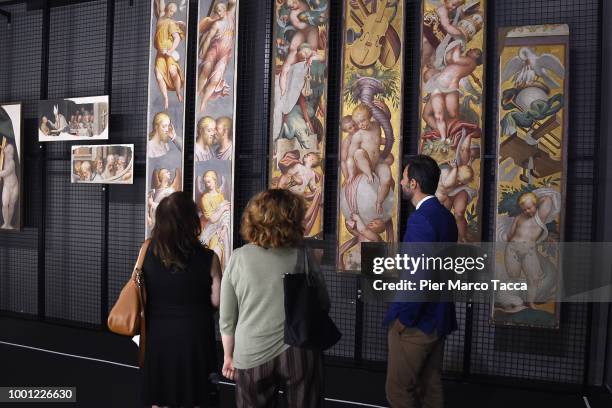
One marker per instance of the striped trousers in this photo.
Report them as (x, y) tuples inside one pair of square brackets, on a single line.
[(299, 372)]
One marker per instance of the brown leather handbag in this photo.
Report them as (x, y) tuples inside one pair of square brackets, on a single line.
[(127, 317)]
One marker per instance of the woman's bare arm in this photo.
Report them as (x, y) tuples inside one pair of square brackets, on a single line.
[(215, 274)]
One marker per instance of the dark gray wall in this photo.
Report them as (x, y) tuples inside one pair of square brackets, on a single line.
[(605, 174)]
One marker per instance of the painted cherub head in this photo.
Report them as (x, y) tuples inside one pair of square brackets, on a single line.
[(348, 125), (311, 160), (528, 203), (362, 115), (452, 5)]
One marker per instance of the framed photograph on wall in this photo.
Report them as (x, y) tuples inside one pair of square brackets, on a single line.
[(73, 119), (103, 164), (11, 165)]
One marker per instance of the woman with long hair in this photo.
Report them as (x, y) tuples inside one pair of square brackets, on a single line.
[(252, 314), (182, 280)]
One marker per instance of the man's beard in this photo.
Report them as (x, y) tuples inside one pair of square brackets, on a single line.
[(407, 194)]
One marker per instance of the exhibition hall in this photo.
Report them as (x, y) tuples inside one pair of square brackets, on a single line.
[(306, 203)]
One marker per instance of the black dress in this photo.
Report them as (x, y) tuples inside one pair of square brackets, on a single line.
[(180, 351)]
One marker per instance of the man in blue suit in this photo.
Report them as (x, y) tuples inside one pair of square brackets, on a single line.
[(417, 330)]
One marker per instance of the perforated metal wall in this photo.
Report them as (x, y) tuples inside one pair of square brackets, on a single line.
[(20, 51), (74, 216), (128, 124), (531, 353)]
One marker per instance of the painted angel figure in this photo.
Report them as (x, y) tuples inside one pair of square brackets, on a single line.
[(168, 35), (215, 46), (163, 186), (299, 177), (216, 217)]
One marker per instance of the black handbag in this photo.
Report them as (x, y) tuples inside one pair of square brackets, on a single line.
[(307, 323)]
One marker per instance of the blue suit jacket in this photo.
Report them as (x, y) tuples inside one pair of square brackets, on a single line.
[(432, 222)]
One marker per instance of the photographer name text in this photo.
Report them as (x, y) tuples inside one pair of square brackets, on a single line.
[(457, 285)]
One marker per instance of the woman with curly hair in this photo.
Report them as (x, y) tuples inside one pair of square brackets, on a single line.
[(252, 314)]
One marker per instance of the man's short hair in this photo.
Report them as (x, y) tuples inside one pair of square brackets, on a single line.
[(425, 171)]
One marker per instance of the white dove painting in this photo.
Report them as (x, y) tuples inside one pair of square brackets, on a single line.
[(532, 156), (528, 67)]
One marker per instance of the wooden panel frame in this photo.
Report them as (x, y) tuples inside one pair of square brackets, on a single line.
[(532, 165)]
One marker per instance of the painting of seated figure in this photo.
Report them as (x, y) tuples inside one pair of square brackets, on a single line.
[(73, 119)]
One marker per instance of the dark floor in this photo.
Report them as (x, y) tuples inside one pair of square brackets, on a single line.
[(100, 384)]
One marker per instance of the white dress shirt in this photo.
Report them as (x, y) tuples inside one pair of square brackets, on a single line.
[(423, 200)]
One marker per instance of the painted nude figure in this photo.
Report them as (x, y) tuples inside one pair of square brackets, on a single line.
[(364, 153), (349, 127), (216, 44), (443, 89), (527, 230), (446, 15), (455, 193), (305, 33), (10, 189)]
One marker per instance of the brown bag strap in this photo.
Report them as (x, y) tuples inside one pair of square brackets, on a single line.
[(138, 277), (141, 257)]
